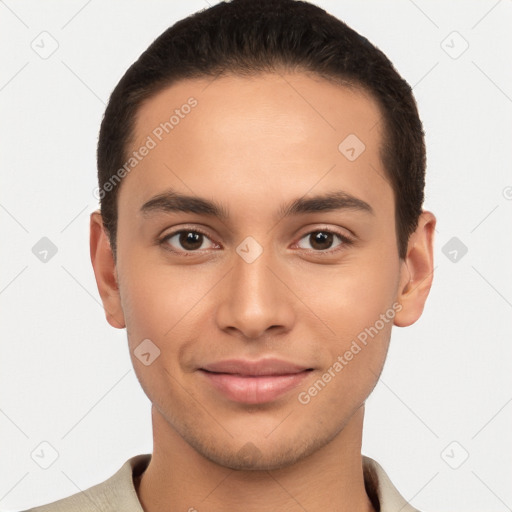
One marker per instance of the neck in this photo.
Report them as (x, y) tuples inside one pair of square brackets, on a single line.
[(179, 478)]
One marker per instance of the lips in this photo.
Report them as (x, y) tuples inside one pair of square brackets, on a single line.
[(254, 382)]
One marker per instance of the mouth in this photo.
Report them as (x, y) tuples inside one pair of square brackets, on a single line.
[(254, 382)]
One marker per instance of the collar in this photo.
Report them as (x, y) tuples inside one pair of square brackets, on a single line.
[(381, 491)]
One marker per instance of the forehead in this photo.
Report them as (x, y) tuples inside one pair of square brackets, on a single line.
[(297, 103), (268, 135)]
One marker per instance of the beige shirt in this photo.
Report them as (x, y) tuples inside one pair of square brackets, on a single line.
[(118, 493)]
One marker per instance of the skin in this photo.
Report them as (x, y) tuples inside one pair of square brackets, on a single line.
[(252, 144)]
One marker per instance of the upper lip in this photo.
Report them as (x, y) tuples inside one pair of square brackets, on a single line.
[(259, 367)]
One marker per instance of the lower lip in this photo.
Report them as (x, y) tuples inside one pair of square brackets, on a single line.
[(254, 389)]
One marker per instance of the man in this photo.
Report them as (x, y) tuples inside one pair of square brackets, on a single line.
[(261, 172)]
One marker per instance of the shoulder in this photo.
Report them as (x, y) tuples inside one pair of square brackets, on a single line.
[(115, 493), (381, 490)]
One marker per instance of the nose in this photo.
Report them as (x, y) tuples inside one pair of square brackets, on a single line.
[(256, 302)]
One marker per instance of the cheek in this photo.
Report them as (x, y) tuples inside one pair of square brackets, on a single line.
[(160, 302), (155, 309), (353, 366), (351, 296), (358, 304)]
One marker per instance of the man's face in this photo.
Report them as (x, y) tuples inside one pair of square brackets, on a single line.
[(251, 309)]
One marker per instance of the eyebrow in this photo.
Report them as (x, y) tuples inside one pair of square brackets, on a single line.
[(172, 201)]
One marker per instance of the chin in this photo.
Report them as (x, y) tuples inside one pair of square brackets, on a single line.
[(263, 455)]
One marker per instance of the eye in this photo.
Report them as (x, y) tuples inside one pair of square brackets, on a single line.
[(322, 240), (188, 240)]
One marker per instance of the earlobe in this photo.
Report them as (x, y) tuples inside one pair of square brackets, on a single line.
[(104, 267), (416, 274)]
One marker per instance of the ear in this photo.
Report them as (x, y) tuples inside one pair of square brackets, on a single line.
[(105, 272), (417, 272)]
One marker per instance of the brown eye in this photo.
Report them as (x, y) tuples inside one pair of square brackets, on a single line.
[(322, 240), (187, 241)]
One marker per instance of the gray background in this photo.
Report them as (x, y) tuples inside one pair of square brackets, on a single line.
[(440, 419)]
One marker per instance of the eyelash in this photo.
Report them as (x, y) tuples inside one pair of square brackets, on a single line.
[(345, 241)]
